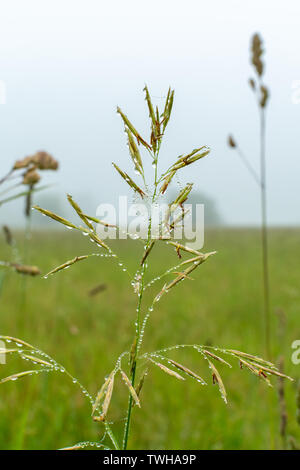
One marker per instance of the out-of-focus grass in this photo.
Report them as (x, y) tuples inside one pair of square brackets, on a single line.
[(221, 306)]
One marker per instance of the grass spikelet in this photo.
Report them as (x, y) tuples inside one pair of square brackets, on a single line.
[(167, 180), (217, 358), (217, 378), (56, 217), (272, 371), (184, 274), (141, 383), (250, 357), (17, 376), (97, 240), (17, 341), (187, 371), (129, 181), (192, 157), (6, 351), (256, 371), (166, 369), (133, 130), (131, 388), (79, 212), (150, 106), (182, 197), (36, 360), (134, 152), (168, 108), (108, 395), (179, 247), (102, 391), (67, 264), (98, 221)]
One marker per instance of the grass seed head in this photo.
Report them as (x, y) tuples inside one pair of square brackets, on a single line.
[(31, 177), (257, 51)]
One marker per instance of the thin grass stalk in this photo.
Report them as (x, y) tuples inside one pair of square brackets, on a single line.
[(138, 317), (264, 234)]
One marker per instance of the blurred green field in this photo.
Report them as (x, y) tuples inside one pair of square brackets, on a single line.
[(222, 306)]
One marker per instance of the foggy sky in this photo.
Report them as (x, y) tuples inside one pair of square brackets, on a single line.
[(67, 65)]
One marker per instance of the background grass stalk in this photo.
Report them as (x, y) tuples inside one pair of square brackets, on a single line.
[(264, 234)]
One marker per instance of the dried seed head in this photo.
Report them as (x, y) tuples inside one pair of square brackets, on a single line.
[(41, 160), (252, 84), (44, 161), (264, 96), (231, 142), (256, 49), (24, 163), (29, 270), (31, 177)]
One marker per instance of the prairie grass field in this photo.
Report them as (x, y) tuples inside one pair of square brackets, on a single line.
[(222, 306)]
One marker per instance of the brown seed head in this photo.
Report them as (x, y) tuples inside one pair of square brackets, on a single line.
[(231, 142), (256, 49), (44, 161), (31, 177), (264, 96), (24, 163)]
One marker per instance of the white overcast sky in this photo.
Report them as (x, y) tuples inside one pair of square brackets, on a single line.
[(67, 64)]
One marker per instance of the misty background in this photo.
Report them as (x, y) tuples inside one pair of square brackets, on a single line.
[(67, 65)]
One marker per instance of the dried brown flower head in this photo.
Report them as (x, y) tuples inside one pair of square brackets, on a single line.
[(231, 142), (256, 49), (24, 163), (31, 177), (44, 161)]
